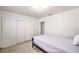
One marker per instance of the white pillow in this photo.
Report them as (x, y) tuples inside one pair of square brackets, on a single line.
[(76, 40)]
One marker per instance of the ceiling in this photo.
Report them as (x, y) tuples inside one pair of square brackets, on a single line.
[(30, 11)]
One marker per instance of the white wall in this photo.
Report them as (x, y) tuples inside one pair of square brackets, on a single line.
[(9, 30), (37, 27), (65, 23)]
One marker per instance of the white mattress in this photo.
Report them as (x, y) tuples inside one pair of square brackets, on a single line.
[(52, 43)]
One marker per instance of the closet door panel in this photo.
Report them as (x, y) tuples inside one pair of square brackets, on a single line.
[(29, 29), (8, 32), (0, 32), (20, 31)]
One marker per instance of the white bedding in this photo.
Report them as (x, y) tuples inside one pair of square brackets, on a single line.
[(52, 43)]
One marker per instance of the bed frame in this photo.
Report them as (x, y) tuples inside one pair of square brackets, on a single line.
[(33, 44)]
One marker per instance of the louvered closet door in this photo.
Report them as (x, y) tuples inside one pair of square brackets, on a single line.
[(20, 31)]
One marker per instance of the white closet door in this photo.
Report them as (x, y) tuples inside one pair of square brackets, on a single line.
[(29, 29), (0, 32), (8, 32), (20, 31)]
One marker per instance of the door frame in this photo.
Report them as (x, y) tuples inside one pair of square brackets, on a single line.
[(43, 22)]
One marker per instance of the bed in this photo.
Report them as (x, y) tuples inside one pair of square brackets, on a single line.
[(55, 44)]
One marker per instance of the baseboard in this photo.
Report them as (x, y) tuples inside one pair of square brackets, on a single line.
[(15, 44), (28, 40), (24, 41), (1, 48)]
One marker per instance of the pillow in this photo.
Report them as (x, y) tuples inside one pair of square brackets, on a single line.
[(76, 40)]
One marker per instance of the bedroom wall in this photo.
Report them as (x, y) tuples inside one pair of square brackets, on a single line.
[(9, 28), (65, 23)]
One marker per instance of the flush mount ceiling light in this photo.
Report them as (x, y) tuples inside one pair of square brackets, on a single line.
[(39, 8), (39, 5)]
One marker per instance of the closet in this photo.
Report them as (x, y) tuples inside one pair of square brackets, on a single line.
[(15, 28)]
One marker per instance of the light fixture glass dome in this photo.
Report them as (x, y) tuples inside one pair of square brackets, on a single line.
[(39, 8)]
